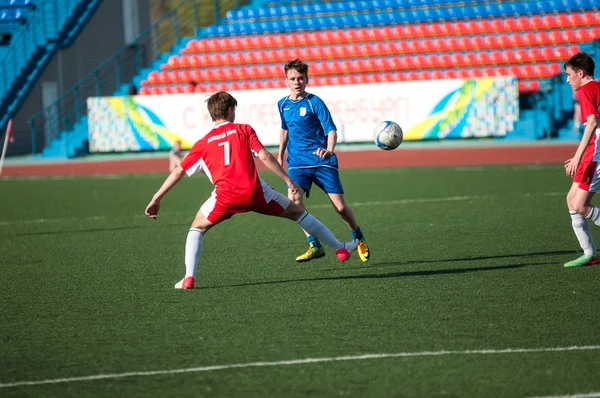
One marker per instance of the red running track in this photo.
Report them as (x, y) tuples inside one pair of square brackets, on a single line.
[(409, 157)]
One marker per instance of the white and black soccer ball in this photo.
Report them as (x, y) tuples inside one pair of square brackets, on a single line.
[(388, 135)]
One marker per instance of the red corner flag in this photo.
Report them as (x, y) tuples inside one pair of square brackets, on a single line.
[(9, 132)]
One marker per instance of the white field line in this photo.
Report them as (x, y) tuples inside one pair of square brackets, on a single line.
[(585, 395), (299, 362), (318, 206)]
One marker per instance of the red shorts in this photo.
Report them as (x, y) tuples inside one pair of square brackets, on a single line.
[(269, 202), (587, 175)]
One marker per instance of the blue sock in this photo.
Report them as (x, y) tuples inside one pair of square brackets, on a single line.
[(314, 241), (357, 234)]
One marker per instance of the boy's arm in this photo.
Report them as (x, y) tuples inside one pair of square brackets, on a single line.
[(172, 180), (588, 133), (331, 142), (283, 141), (273, 165)]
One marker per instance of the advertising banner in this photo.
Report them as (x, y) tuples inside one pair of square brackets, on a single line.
[(433, 109)]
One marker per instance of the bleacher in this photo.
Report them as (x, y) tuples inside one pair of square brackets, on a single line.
[(349, 42), (30, 33)]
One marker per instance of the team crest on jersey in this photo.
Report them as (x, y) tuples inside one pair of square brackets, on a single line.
[(303, 111)]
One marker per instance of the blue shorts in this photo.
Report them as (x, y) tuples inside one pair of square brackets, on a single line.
[(326, 178)]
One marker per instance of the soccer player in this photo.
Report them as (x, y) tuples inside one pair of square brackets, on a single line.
[(176, 155), (225, 156), (309, 135), (584, 167)]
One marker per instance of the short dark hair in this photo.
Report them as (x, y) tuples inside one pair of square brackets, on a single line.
[(581, 61), (297, 65), (218, 105)]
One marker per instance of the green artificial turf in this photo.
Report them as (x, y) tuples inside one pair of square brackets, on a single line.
[(462, 259)]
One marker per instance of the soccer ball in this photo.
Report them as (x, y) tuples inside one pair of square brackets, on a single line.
[(387, 135)]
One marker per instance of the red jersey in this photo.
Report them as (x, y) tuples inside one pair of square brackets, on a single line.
[(225, 155), (589, 97)]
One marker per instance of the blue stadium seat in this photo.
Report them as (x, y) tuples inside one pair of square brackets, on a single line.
[(16, 3), (12, 15)]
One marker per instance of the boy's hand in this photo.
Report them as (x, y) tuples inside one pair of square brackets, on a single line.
[(293, 188), (153, 208), (323, 153), (571, 167)]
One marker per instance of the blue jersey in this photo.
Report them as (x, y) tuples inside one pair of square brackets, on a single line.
[(308, 123)]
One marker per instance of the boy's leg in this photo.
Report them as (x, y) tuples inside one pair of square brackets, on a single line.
[(342, 208), (275, 204), (578, 202), (193, 243), (303, 179), (328, 179)]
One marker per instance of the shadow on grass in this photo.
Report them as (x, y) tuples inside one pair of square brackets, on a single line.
[(391, 263), (93, 230), (386, 275)]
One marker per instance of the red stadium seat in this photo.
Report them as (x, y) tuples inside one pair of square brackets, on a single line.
[(527, 71), (185, 75), (477, 42), (444, 60), (467, 28), (166, 90), (464, 73), (195, 61), (164, 78), (173, 62), (555, 69), (485, 26), (498, 25), (540, 71), (191, 47), (589, 18), (490, 41), (211, 45), (457, 60), (450, 74), (153, 77), (514, 70), (563, 20), (197, 76), (424, 75), (496, 57), (549, 22), (520, 55), (470, 58), (144, 90), (437, 74), (156, 90), (174, 76), (501, 70), (534, 22), (572, 50)]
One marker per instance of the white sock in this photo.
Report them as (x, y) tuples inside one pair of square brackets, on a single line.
[(581, 226), (320, 231), (193, 247), (594, 215)]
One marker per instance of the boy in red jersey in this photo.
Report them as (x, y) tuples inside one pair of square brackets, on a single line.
[(225, 156), (584, 167)]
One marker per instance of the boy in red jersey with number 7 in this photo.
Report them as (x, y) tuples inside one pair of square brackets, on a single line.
[(584, 167), (225, 155)]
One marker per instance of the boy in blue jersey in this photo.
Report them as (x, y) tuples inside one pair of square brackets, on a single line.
[(309, 135)]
